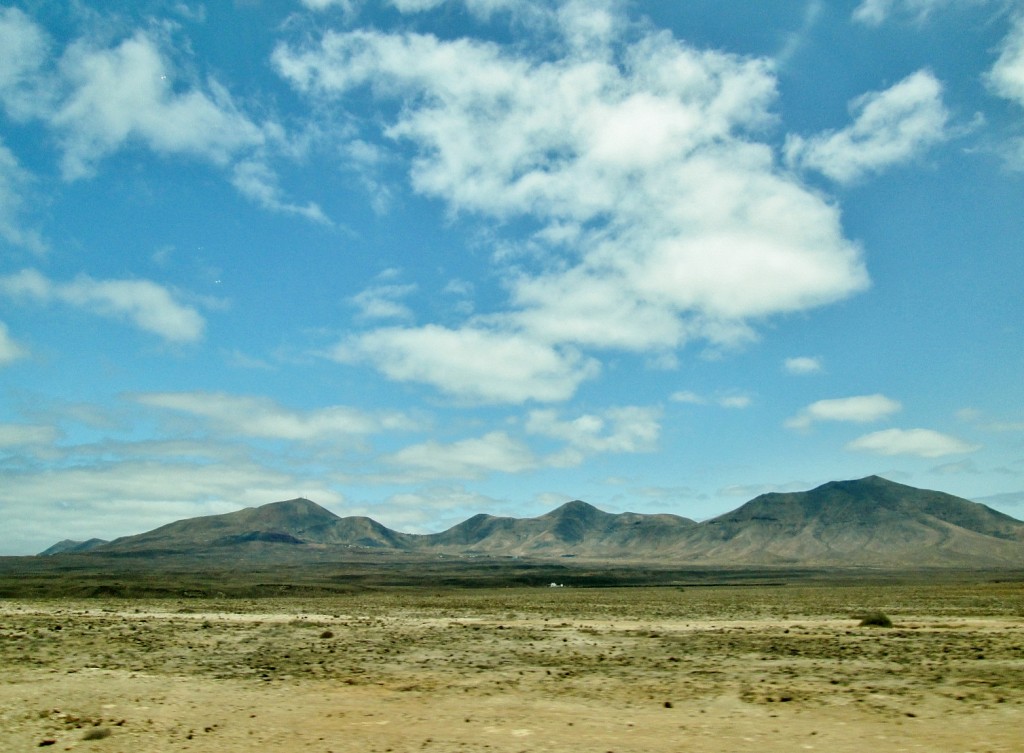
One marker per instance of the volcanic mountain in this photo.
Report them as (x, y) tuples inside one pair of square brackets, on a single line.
[(868, 522), (70, 546), (295, 521), (871, 521), (575, 528)]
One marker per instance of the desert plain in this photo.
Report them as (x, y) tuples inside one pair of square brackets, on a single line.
[(731, 667)]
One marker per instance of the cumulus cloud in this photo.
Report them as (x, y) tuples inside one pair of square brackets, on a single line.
[(10, 350), (859, 409), (465, 459), (473, 364), (890, 127), (624, 429), (616, 430), (662, 218), (260, 417), (98, 99), (1006, 78), (145, 304), (126, 92), (923, 443), (801, 365)]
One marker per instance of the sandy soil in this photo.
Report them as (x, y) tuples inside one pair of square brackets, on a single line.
[(521, 670)]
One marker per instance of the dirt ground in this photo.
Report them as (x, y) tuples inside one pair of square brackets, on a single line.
[(560, 669)]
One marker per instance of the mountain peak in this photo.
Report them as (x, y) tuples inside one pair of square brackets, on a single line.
[(298, 511), (577, 508), (867, 521)]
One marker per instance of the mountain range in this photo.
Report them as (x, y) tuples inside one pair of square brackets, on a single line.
[(866, 522)]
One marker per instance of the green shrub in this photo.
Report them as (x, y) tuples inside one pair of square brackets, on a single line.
[(875, 619)]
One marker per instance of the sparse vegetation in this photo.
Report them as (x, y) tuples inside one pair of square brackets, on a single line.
[(211, 671), (875, 619)]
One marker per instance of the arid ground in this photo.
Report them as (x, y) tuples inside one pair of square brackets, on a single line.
[(721, 669)]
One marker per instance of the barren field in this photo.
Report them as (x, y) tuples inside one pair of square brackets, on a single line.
[(718, 669)]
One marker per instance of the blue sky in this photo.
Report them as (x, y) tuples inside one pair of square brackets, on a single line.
[(420, 259)]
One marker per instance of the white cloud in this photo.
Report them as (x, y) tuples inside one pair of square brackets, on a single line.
[(366, 161), (255, 180), (622, 429), (430, 509), (890, 127), (147, 305), (796, 40), (25, 47), (127, 92), (415, 6), (472, 363), (14, 186), (662, 220), (383, 302), (20, 435), (10, 350), (97, 100), (687, 396), (468, 458), (263, 418), (876, 12), (479, 8), (1006, 78), (859, 409), (873, 12), (723, 400), (803, 365), (923, 443), (347, 6)]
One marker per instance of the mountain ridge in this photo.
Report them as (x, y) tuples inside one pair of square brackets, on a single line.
[(864, 522)]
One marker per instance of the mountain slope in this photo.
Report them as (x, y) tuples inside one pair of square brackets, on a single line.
[(867, 522), (294, 521), (574, 528), (71, 546), (871, 521)]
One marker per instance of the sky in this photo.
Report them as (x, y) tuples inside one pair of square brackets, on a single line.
[(422, 259)]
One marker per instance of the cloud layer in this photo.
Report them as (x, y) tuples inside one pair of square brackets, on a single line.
[(660, 217)]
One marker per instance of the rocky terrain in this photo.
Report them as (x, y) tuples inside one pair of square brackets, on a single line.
[(760, 669)]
